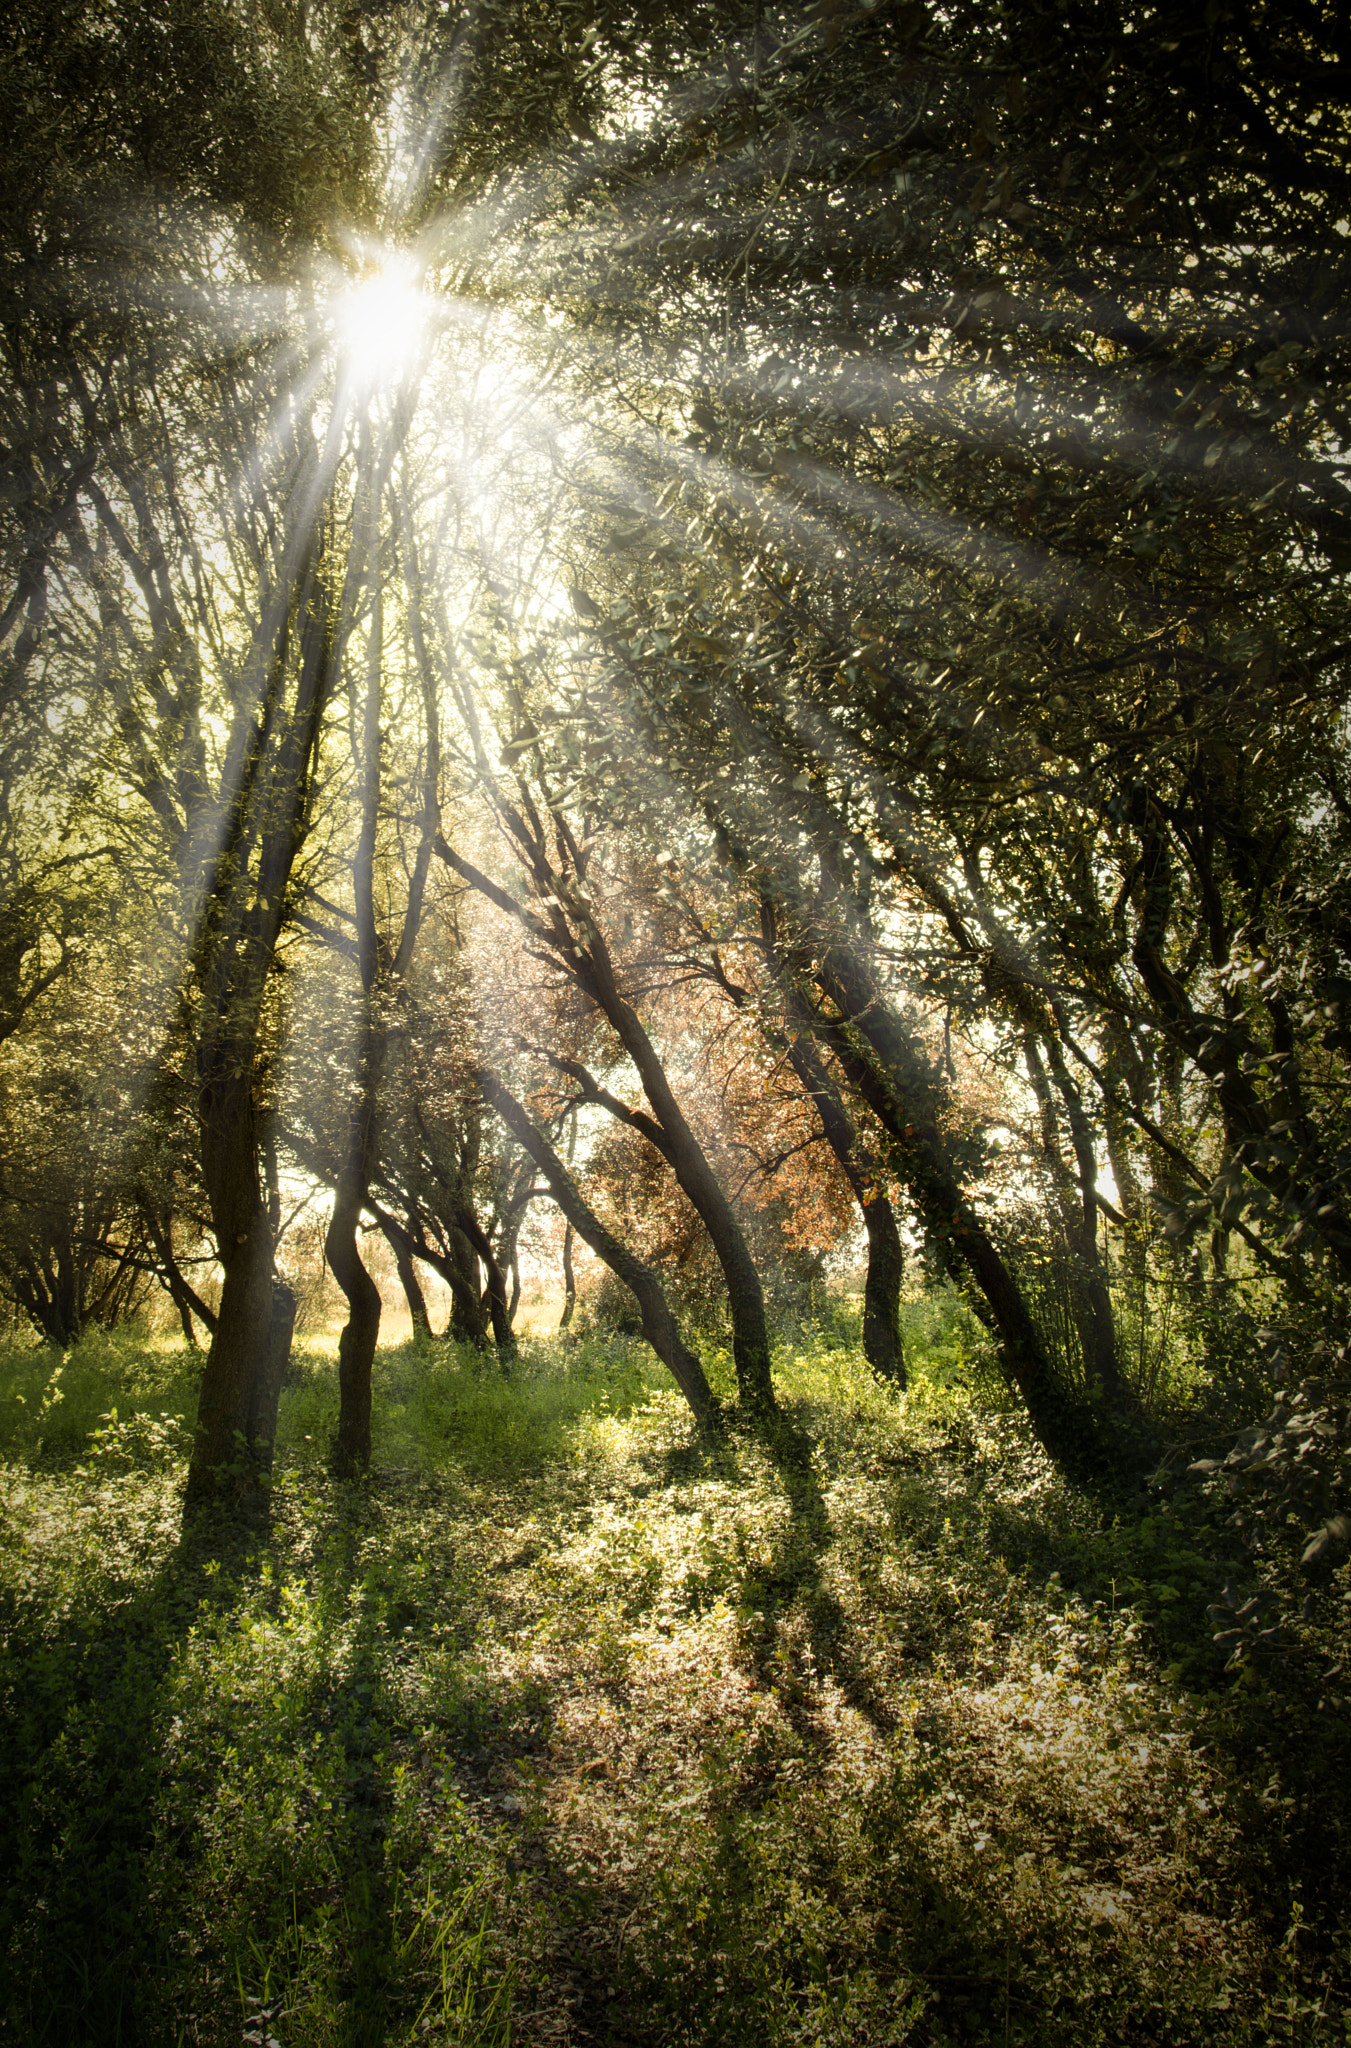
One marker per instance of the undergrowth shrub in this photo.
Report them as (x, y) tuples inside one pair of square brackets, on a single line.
[(868, 1729), (53, 1402)]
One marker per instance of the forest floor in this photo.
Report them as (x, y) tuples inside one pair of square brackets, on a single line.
[(567, 1728)]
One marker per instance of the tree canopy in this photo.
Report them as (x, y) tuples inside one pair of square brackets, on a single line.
[(733, 622)]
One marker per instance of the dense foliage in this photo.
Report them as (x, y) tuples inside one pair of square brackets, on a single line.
[(706, 649)]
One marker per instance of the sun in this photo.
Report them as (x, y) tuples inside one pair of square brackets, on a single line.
[(381, 324)]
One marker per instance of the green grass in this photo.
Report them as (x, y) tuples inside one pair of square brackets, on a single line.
[(566, 1727), (444, 1408), (53, 1404)]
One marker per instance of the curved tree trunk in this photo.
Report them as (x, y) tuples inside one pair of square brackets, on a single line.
[(877, 1058), (468, 1315), (185, 1323), (468, 1320), (580, 947), (356, 1346), (750, 1335), (185, 1297), (498, 1307), (1068, 1431), (659, 1325)]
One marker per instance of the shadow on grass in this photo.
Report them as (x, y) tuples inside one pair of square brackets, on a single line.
[(81, 1744), (793, 1573), (796, 1571)]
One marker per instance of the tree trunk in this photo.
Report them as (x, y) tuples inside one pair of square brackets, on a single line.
[(244, 1241), (356, 1346), (1122, 1065), (745, 1297), (1075, 1193), (587, 960), (241, 1341), (503, 1335), (1104, 1366), (875, 1057), (184, 1295), (882, 1290), (886, 1256), (267, 1383), (185, 1323), (241, 915), (412, 1289), (468, 1320), (37, 1294), (468, 1317), (659, 1325), (569, 1280)]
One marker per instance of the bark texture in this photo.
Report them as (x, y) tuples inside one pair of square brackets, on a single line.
[(569, 1280), (412, 1289)]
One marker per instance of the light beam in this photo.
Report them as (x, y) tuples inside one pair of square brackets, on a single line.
[(381, 325)]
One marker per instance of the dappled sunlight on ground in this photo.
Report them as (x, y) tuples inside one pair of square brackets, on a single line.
[(843, 1735), (739, 1714)]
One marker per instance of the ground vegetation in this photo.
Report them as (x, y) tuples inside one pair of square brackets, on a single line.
[(576, 1724)]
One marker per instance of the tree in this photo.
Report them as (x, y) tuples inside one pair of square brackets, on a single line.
[(129, 384), (72, 1251), (980, 521), (952, 505), (562, 916), (659, 1325)]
